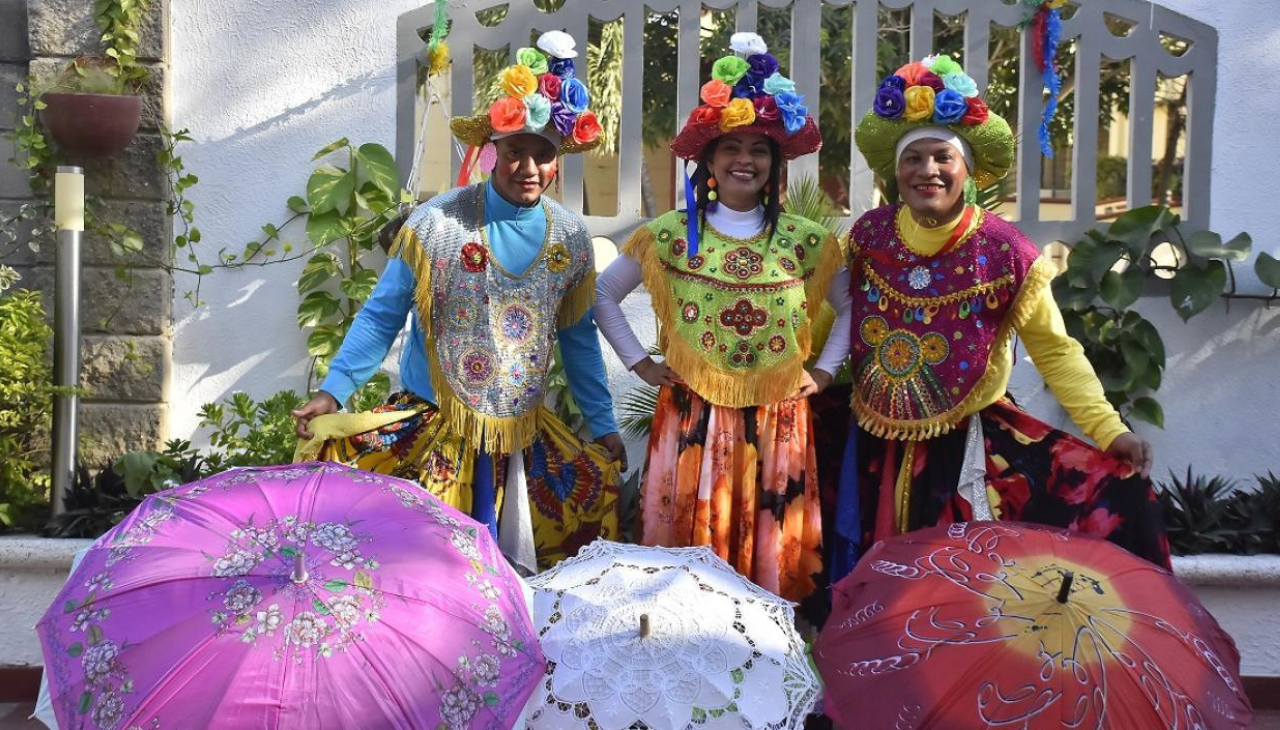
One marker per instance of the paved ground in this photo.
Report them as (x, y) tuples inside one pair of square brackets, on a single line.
[(14, 717)]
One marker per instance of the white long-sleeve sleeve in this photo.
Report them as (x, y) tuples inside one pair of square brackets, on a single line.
[(618, 280), (838, 342)]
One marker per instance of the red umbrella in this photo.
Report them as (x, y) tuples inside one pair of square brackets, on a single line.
[(1009, 625)]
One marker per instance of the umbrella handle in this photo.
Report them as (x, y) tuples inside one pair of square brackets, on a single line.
[(299, 570), (644, 625), (1064, 592)]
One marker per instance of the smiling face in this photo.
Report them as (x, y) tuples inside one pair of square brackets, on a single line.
[(526, 166), (931, 176), (741, 164)]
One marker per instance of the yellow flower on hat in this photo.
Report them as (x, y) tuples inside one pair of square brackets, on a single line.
[(739, 113), (919, 103), (518, 81)]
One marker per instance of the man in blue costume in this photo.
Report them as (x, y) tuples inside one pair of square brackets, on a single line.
[(495, 275)]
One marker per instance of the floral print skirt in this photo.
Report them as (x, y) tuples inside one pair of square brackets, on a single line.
[(573, 487), (1034, 473), (742, 480)]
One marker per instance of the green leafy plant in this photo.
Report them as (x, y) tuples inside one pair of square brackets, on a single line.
[(26, 404), (250, 433), (559, 398), (1110, 269), (1214, 515)]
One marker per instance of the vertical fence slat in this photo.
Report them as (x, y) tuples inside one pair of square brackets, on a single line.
[(1196, 171), (921, 29), (866, 24), (977, 44), (1142, 104), (806, 69), (630, 148), (1030, 101), (573, 167), (747, 17), (1084, 152)]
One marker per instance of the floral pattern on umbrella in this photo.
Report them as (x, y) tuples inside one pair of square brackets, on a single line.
[(720, 652), (1006, 625), (384, 599)]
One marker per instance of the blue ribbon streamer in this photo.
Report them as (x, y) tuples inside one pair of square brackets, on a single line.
[(1052, 83), (691, 211)]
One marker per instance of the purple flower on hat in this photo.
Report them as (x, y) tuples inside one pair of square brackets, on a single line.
[(890, 101), (747, 89), (562, 67), (760, 67), (564, 118), (573, 94), (948, 106), (794, 113), (894, 81)]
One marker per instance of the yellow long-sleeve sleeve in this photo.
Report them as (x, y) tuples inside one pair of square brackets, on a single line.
[(1056, 355)]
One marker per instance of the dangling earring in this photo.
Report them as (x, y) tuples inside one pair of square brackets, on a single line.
[(767, 189), (557, 176), (712, 195)]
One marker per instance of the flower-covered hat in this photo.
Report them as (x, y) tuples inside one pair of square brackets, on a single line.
[(747, 95), (934, 92), (542, 95)]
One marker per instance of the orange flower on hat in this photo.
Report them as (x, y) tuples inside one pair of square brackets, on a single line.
[(717, 93), (518, 81), (919, 103), (739, 113), (507, 115), (587, 128), (912, 73)]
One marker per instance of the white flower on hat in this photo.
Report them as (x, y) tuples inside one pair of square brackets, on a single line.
[(559, 44), (929, 60), (748, 44)]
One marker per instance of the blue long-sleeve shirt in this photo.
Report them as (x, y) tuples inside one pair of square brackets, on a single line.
[(515, 236)]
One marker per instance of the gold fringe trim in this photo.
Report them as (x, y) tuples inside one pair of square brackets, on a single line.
[(1038, 277), (409, 248), (819, 280), (578, 301), (498, 434), (723, 388)]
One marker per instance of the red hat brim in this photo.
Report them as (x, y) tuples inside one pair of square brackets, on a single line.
[(693, 139)]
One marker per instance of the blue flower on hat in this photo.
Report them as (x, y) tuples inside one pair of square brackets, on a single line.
[(562, 67), (890, 101), (949, 106), (961, 82), (537, 112), (793, 111), (894, 81), (573, 93)]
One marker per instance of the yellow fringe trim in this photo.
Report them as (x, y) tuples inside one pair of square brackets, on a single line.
[(578, 301), (732, 389), (1038, 277), (409, 248), (498, 434)]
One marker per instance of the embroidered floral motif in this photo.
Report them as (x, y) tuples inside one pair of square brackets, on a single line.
[(743, 263), (678, 247), (777, 344), (874, 330), (690, 312), (743, 317), (477, 368), (934, 348), (787, 264), (517, 375), (800, 252), (899, 354), (696, 262), (743, 356), (515, 323), (474, 257), (708, 340), (558, 258), (919, 277)]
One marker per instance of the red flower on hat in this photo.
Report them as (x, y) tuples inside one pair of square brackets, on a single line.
[(549, 86), (766, 109), (705, 115), (977, 113), (587, 128)]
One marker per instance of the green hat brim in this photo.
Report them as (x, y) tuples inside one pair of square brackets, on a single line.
[(992, 143)]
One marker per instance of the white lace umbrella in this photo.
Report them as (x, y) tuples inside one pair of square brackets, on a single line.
[(669, 637)]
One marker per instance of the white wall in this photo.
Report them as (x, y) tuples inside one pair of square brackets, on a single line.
[(263, 84)]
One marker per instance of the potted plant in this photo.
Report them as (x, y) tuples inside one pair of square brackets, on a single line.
[(94, 108)]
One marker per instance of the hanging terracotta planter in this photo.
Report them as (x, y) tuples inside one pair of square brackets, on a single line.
[(92, 125)]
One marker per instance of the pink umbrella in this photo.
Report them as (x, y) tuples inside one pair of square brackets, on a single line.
[(310, 596)]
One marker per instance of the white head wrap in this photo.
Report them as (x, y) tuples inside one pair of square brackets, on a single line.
[(942, 134)]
